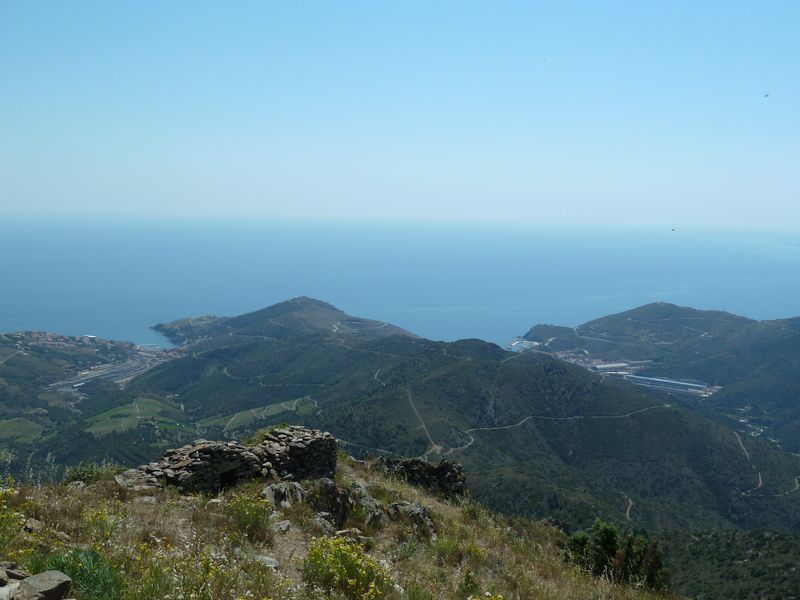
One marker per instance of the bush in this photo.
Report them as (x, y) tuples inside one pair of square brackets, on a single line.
[(250, 516), (629, 559), (92, 576), (334, 565), (91, 472), (453, 552)]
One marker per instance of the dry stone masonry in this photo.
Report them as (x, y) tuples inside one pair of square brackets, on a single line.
[(288, 455), (294, 452)]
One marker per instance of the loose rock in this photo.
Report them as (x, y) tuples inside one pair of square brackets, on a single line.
[(323, 522), (50, 585), (281, 526), (281, 495), (416, 515), (33, 525)]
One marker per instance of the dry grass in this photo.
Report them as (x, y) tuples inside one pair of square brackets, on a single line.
[(183, 545)]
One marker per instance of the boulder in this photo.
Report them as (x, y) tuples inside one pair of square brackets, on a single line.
[(50, 585), (33, 525), (7, 591), (15, 573), (369, 509), (327, 496), (281, 495), (323, 522), (557, 523), (414, 514), (137, 480)]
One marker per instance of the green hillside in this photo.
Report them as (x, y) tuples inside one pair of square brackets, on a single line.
[(290, 319), (755, 362), (538, 436)]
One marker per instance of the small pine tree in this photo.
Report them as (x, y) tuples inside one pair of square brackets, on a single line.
[(631, 559)]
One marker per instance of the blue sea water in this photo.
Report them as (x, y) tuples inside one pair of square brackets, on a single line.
[(115, 279)]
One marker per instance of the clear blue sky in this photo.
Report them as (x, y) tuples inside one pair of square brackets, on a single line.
[(572, 112)]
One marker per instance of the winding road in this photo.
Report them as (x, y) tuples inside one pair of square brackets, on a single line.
[(760, 483), (2, 362), (548, 418), (631, 504)]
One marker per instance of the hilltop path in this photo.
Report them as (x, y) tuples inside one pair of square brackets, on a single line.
[(434, 446)]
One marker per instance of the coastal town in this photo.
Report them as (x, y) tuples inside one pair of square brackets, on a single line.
[(626, 370), (115, 361)]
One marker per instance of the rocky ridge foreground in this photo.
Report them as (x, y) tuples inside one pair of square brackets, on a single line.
[(282, 458), (288, 455), (293, 452), (365, 530)]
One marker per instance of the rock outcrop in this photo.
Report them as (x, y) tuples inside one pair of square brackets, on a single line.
[(330, 498), (415, 515), (284, 494), (207, 466), (369, 509), (446, 478)]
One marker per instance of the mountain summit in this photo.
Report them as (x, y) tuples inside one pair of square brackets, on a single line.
[(301, 316)]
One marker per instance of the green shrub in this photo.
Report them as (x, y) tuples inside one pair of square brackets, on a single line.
[(336, 566), (469, 585), (92, 577), (453, 552), (91, 472), (250, 516), (631, 558)]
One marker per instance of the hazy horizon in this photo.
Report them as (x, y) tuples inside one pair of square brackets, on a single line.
[(443, 281)]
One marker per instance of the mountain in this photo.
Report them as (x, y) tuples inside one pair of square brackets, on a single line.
[(298, 317), (755, 362), (537, 436)]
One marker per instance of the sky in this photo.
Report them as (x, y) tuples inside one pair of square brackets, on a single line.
[(600, 112)]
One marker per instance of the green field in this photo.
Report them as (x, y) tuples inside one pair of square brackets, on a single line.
[(19, 430), (127, 417), (249, 418)]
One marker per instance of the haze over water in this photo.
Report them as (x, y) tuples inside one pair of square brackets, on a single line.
[(115, 279)]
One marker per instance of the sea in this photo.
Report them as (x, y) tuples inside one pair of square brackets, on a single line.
[(115, 278)]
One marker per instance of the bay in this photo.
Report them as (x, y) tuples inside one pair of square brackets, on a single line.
[(116, 278)]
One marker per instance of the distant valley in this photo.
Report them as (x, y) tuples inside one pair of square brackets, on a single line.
[(749, 370), (538, 436)]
